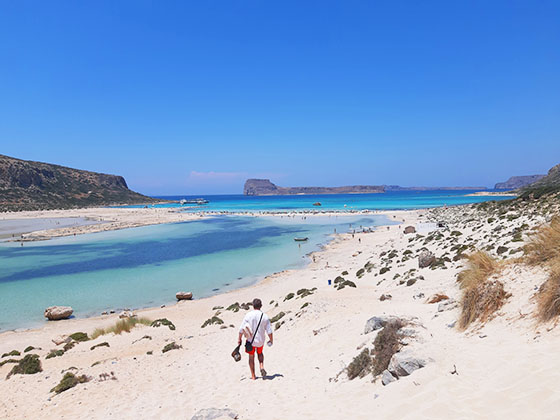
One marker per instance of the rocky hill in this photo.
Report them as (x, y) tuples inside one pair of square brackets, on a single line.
[(28, 185), (518, 182), (546, 185), (265, 187)]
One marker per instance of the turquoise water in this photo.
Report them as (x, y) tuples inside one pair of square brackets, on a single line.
[(336, 202), (146, 266)]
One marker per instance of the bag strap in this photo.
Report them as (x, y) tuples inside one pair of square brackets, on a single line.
[(255, 333)]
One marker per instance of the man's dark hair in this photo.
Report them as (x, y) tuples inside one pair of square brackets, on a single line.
[(257, 304)]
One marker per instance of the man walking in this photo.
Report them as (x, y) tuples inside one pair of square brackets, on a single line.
[(254, 327)]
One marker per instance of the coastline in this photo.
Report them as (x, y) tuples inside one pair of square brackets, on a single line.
[(318, 336)]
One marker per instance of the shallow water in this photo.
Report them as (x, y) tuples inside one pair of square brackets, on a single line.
[(146, 266)]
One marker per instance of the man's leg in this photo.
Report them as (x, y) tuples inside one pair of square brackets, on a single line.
[(261, 360), (252, 365)]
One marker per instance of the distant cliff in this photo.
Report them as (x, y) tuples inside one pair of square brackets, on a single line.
[(399, 188), (518, 182), (265, 187), (546, 185), (28, 185)]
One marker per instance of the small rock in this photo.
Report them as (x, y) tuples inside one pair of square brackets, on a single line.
[(447, 305), (385, 297), (387, 377), (215, 413), (452, 325), (376, 323), (61, 339), (426, 259), (402, 364), (54, 313), (127, 314), (418, 296), (184, 295)]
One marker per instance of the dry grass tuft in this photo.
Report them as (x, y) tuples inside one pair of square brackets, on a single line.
[(544, 249), (544, 246), (548, 297), (480, 266), (360, 366), (481, 296), (123, 325)]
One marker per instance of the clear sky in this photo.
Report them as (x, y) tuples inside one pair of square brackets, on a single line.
[(193, 97)]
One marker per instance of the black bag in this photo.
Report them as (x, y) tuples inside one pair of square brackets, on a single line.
[(249, 344)]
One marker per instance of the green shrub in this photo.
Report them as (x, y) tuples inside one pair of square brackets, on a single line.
[(289, 296), (233, 307), (29, 365), (54, 353), (79, 336), (171, 346), (28, 349), (360, 366), (384, 270), (277, 317), (69, 380), (12, 353), (165, 322), (212, 321), (104, 344)]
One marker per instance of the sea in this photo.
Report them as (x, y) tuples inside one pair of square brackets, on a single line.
[(145, 266)]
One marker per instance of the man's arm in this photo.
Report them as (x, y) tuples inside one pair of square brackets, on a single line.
[(240, 337), (271, 339)]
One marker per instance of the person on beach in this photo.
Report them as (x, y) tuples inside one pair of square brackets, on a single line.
[(255, 327)]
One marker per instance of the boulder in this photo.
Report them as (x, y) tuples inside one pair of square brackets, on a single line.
[(54, 313), (409, 229), (215, 414), (426, 259), (377, 322), (387, 377), (183, 295), (402, 364), (127, 313)]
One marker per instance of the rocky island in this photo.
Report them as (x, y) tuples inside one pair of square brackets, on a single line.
[(28, 185), (265, 187)]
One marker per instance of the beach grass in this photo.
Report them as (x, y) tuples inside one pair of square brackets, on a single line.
[(123, 325), (481, 296)]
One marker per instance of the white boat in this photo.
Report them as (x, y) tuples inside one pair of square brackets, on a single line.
[(197, 201)]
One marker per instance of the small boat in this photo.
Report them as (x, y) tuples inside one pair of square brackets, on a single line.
[(301, 239), (317, 204)]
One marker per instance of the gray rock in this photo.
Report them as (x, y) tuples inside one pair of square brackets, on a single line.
[(54, 313), (447, 305), (409, 229), (215, 413), (402, 364), (387, 377), (376, 323), (425, 259), (452, 325), (183, 295)]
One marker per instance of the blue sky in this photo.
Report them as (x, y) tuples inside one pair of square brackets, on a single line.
[(194, 97)]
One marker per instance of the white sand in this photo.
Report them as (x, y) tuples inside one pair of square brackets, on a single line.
[(508, 368)]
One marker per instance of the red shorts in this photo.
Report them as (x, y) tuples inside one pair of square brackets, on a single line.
[(259, 350)]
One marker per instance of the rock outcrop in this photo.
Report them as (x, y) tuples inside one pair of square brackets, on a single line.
[(55, 313), (28, 185), (402, 364), (518, 182), (215, 414), (265, 187)]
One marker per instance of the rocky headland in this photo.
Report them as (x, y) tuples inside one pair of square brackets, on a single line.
[(28, 185)]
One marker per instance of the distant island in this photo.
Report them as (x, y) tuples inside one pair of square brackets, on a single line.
[(28, 185), (265, 187), (515, 182)]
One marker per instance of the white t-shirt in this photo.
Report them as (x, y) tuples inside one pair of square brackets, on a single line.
[(249, 325)]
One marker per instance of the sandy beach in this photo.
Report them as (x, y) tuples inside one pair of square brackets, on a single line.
[(505, 368)]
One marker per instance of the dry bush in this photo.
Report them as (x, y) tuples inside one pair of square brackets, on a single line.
[(548, 297), (480, 266), (123, 325), (481, 296), (544, 246), (360, 366), (386, 344), (438, 297)]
